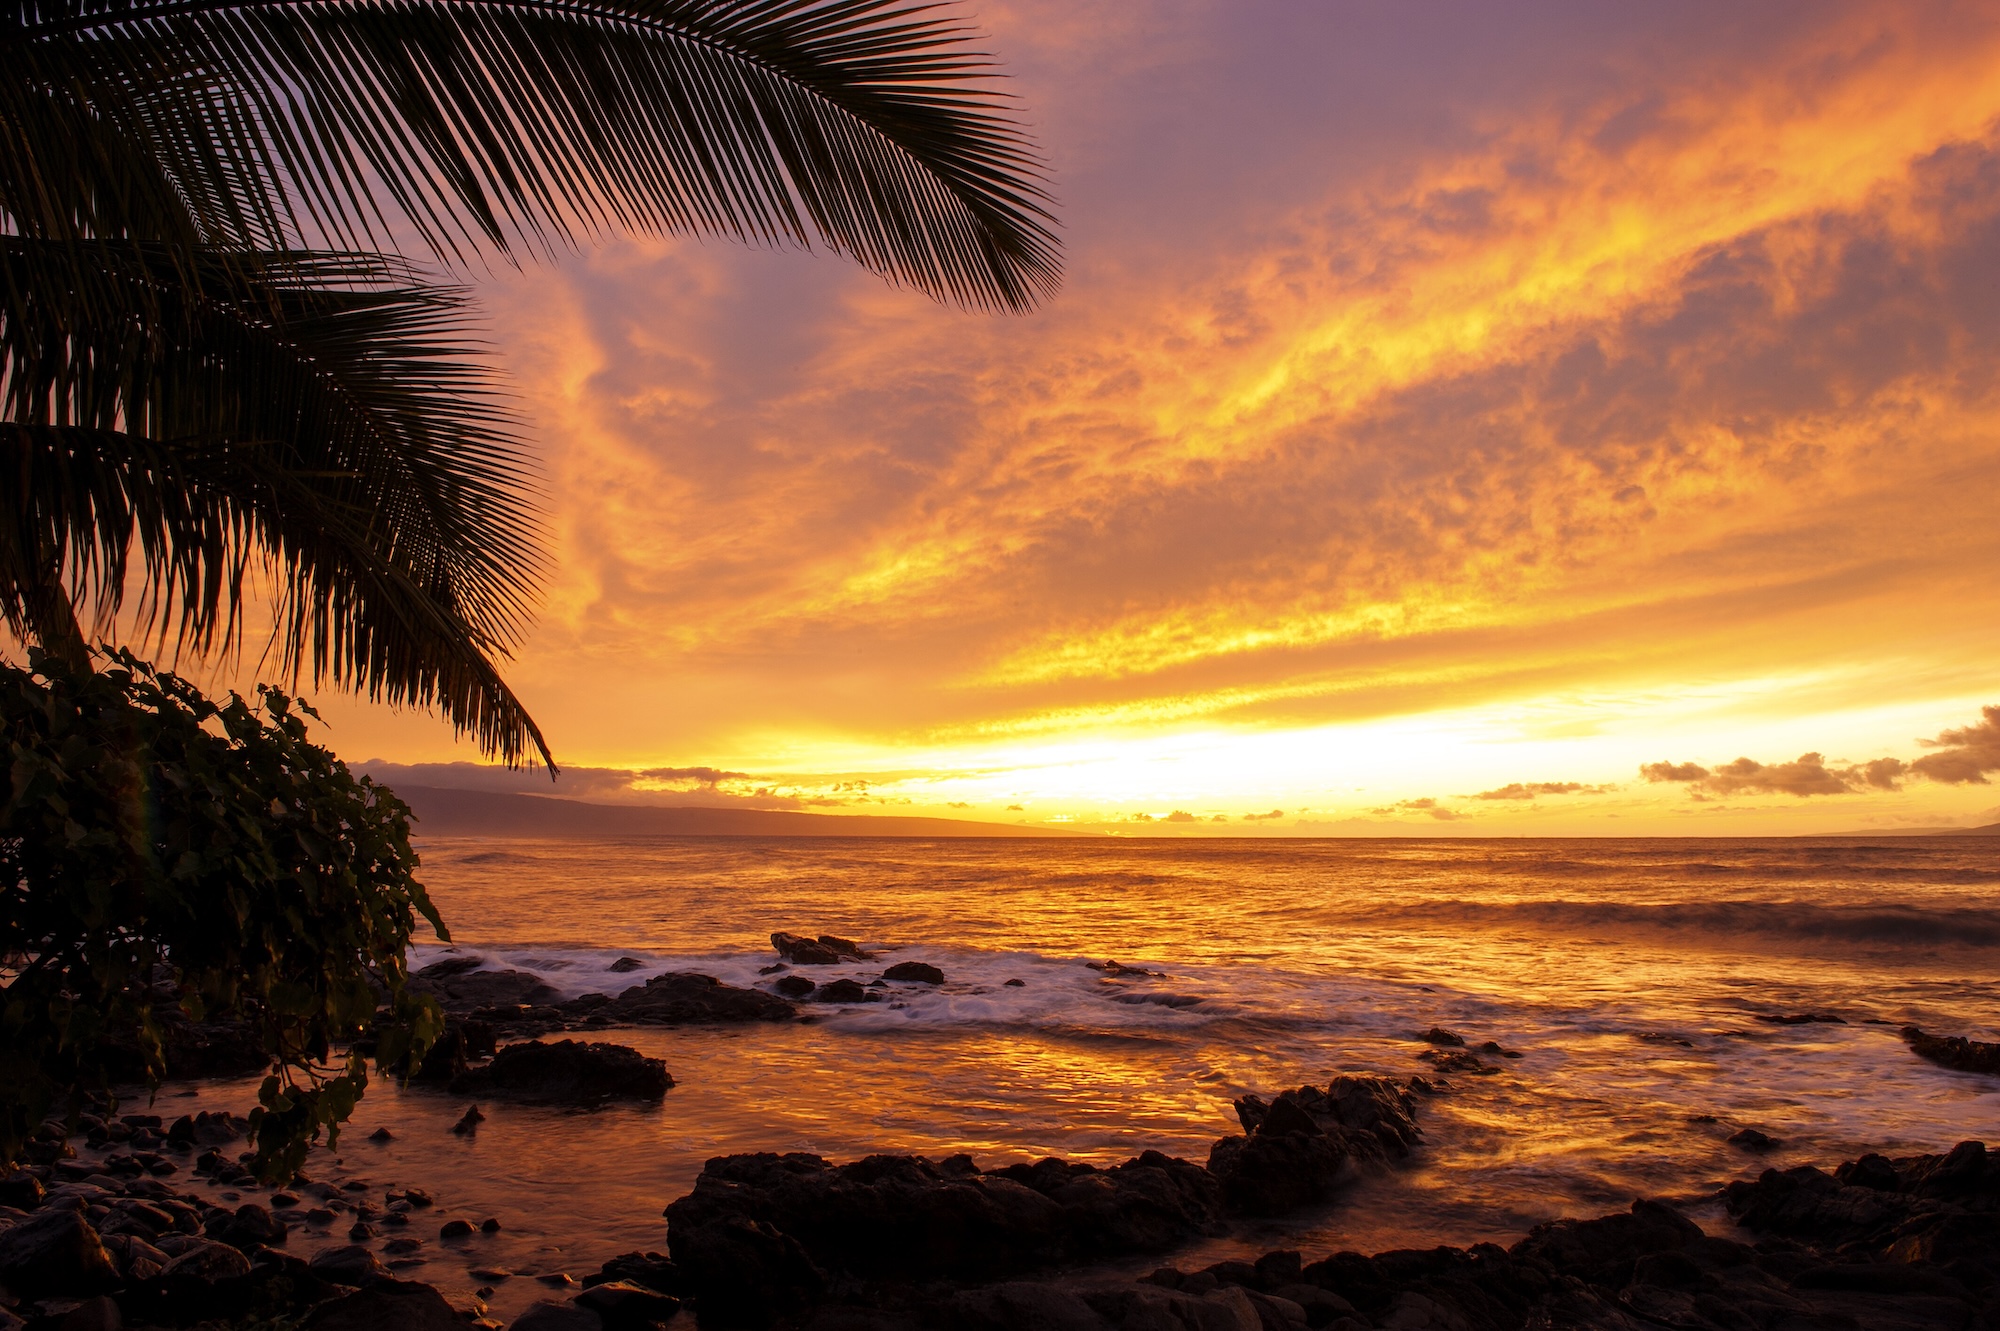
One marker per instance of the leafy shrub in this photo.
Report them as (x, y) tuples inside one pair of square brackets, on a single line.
[(165, 858)]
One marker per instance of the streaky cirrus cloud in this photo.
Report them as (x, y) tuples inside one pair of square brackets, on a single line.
[(1414, 360)]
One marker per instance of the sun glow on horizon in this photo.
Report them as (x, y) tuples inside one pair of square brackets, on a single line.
[(1646, 398)]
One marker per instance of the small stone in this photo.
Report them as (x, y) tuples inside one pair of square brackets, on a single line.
[(399, 1247), (455, 1229), (493, 1273), (1438, 1035), (469, 1122), (353, 1265), (1752, 1140), (417, 1197), (557, 1279), (1016, 984), (361, 1232), (489, 1225), (547, 1316), (284, 1199), (794, 986), (626, 965), (914, 972)]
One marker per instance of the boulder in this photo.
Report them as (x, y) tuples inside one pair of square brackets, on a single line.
[(793, 986), (682, 998), (825, 950), (404, 1305), (55, 1251), (208, 1261), (626, 965), (567, 1072), (1955, 1051), (627, 1304), (1295, 1148), (914, 972), (548, 1315), (654, 1270), (845, 991), (906, 1218), (742, 1271), (252, 1226), (460, 986), (353, 1264)]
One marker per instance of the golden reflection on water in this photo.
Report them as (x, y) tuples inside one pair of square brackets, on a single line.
[(1630, 975)]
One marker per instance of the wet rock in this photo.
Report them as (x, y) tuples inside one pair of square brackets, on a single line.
[(794, 986), (489, 1226), (404, 1305), (740, 1270), (468, 1122), (1604, 1250), (209, 1261), (1296, 1148), (549, 1316), (1457, 1060), (455, 1229), (460, 987), (625, 1303), (682, 998), (1955, 1051), (1750, 1139), (20, 1190), (626, 965), (1114, 970), (135, 1258), (381, 1135), (910, 1218), (1438, 1035), (916, 972), (568, 1072), (55, 1251), (825, 950), (1015, 984), (845, 991), (353, 1265), (252, 1226), (460, 1044), (1023, 1306), (1802, 1018), (654, 1270)]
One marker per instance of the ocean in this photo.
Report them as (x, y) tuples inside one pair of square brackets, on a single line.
[(1634, 977)]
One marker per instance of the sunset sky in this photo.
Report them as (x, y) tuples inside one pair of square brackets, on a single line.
[(1457, 417)]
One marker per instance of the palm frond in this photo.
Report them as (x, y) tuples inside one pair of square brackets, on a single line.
[(866, 125), (315, 412)]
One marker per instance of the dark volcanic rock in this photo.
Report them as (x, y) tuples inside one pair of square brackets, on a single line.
[(915, 971), (460, 986), (626, 965), (406, 1306), (794, 986), (1296, 1147), (1750, 1139), (1955, 1051), (567, 1072), (845, 991), (826, 950), (682, 998), (55, 1251), (1911, 1249), (623, 1303), (902, 1218), (351, 1265)]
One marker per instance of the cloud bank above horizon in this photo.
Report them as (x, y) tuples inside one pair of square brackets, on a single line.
[(1442, 400)]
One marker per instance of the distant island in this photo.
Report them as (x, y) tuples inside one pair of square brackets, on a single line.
[(444, 812)]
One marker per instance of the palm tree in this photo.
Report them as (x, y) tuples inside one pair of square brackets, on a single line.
[(215, 360)]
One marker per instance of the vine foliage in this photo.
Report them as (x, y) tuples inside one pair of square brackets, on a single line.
[(165, 859)]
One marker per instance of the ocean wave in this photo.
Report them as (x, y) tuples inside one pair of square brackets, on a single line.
[(1887, 924)]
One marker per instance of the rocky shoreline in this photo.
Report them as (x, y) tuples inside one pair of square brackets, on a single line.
[(115, 1237)]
